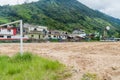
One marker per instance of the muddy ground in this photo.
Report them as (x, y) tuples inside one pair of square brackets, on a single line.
[(101, 58)]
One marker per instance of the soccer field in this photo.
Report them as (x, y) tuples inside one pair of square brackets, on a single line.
[(100, 58)]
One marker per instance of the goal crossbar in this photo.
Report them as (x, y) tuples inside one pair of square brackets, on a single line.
[(11, 23)]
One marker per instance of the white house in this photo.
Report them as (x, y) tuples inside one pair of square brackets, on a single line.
[(35, 27), (56, 34), (10, 34), (36, 32), (79, 33)]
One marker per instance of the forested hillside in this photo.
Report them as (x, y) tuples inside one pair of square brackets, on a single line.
[(60, 14)]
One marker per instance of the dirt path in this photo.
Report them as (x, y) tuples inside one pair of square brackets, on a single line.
[(102, 58)]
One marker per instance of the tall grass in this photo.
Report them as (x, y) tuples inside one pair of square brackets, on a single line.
[(30, 67)]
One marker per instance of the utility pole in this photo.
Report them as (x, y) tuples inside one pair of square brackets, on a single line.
[(105, 33)]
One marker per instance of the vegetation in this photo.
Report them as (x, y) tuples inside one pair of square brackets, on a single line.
[(61, 15), (89, 76), (30, 67)]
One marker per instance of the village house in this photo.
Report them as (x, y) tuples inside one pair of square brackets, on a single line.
[(42, 33), (56, 34), (77, 35), (10, 33), (36, 32)]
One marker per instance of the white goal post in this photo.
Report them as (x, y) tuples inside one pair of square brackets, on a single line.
[(21, 33)]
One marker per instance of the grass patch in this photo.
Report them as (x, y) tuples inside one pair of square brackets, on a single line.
[(30, 67), (89, 76)]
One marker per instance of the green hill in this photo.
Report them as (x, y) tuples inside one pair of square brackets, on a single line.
[(60, 14)]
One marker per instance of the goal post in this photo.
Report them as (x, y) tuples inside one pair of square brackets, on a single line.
[(21, 37), (21, 32)]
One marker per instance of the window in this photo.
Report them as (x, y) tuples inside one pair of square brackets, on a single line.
[(49, 33), (8, 36), (35, 29), (49, 36), (32, 36), (1, 36), (54, 36), (39, 36), (9, 30)]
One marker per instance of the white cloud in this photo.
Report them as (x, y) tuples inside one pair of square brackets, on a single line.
[(110, 7), (13, 2)]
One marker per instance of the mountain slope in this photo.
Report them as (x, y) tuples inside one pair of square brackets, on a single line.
[(60, 14)]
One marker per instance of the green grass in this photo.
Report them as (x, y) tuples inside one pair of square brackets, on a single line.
[(89, 76), (30, 67)]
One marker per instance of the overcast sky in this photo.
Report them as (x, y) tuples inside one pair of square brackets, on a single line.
[(13, 2), (110, 7)]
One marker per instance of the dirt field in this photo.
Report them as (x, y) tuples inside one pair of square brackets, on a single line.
[(101, 58)]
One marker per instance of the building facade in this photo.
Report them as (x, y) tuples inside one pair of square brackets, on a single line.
[(10, 34), (37, 32), (55, 34)]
